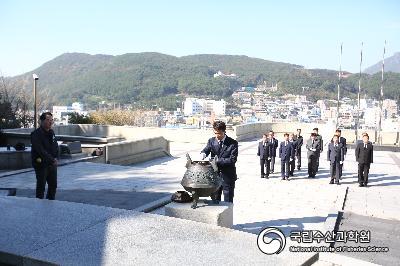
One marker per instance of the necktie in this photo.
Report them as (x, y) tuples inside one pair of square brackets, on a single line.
[(313, 142), (220, 145)]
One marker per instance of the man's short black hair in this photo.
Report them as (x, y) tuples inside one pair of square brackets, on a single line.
[(299, 129), (219, 125), (265, 134), (315, 128), (338, 130), (43, 116), (313, 134), (286, 134)]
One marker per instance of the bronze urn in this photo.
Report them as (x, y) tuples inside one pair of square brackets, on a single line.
[(201, 178)]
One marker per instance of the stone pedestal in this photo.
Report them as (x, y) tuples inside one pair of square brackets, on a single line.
[(206, 212)]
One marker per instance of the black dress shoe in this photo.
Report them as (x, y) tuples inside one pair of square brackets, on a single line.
[(262, 176), (331, 181), (365, 184), (361, 185), (337, 183), (283, 178)]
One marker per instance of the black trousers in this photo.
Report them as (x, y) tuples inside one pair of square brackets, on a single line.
[(272, 164), (341, 170), (363, 171), (317, 164), (298, 156), (285, 168), (228, 188), (264, 163), (47, 175), (292, 165), (335, 170), (312, 166)]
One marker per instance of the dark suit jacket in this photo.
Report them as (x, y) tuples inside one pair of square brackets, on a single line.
[(264, 151), (286, 152), (321, 141), (299, 143), (364, 155), (44, 146), (344, 144), (335, 154), (316, 146), (227, 157), (274, 147)]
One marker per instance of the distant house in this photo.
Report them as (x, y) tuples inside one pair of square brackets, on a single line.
[(221, 74)]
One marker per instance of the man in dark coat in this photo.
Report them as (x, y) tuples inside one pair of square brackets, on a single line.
[(226, 150), (364, 157), (264, 151), (321, 145), (44, 157), (299, 143), (292, 163), (336, 157), (313, 151), (342, 141), (274, 143), (286, 153)]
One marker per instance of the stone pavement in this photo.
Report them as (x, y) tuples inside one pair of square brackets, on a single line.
[(298, 204)]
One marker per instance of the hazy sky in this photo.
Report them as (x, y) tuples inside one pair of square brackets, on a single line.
[(304, 32)]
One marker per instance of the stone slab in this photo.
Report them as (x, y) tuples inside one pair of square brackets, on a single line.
[(77, 234), (217, 214), (27, 225)]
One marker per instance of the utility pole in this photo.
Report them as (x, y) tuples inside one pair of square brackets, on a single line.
[(338, 86), (381, 99), (358, 95)]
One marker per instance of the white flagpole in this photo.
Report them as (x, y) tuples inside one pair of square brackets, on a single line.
[(381, 98), (359, 93), (338, 93)]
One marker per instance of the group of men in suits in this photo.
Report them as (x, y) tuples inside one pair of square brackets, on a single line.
[(226, 150), (289, 150), (337, 150)]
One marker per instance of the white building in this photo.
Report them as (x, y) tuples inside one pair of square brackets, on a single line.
[(61, 113), (193, 106)]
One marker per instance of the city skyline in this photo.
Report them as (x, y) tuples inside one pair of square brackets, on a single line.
[(305, 33)]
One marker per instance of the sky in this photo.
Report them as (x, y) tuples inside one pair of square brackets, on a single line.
[(307, 33)]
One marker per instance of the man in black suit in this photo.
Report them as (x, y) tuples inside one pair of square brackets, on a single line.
[(299, 143), (286, 153), (264, 151), (336, 157), (321, 144), (342, 141), (44, 157), (274, 143), (313, 151), (292, 163), (226, 149), (364, 157)]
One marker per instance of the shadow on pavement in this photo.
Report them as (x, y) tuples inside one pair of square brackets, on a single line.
[(128, 200), (285, 225)]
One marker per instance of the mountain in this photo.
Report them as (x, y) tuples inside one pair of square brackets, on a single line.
[(392, 64), (148, 79)]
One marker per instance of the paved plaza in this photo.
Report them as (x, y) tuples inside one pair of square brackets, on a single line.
[(298, 204)]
